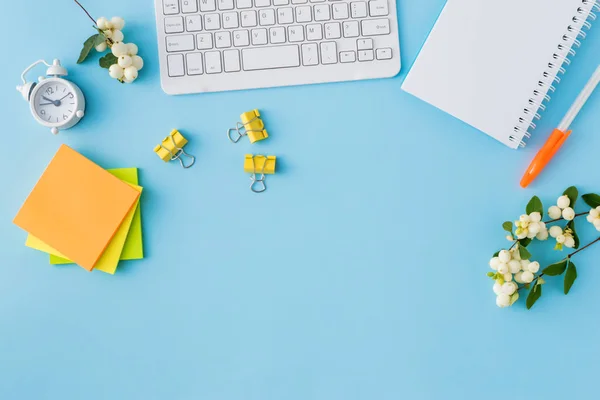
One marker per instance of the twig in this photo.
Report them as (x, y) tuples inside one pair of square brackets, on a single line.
[(561, 218), (88, 14), (583, 248)]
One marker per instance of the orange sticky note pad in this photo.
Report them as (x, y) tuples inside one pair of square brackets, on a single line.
[(76, 207)]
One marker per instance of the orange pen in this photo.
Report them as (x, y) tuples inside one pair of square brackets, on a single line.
[(560, 134)]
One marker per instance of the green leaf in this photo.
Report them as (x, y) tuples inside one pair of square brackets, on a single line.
[(535, 205), (570, 277), (571, 225), (108, 60), (514, 298), (534, 294), (508, 226), (572, 193), (88, 45), (496, 253), (99, 39), (524, 242), (591, 199), (556, 269), (491, 274), (524, 253)]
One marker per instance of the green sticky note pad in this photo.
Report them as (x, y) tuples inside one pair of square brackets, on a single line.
[(134, 246)]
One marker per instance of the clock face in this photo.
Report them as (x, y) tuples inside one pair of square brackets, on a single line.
[(55, 102)]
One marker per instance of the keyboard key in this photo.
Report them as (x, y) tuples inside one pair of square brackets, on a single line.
[(350, 29), (248, 18), (340, 11), (364, 44), (281, 2), (180, 43), (259, 36), (212, 22), (347, 56), (193, 23), (299, 1), (241, 38), (322, 12), (271, 57), (277, 35), (175, 65), (262, 3), (207, 5), (204, 41), (310, 54), (230, 20), (189, 6), (212, 62), (296, 33), (222, 40), (174, 25), (314, 32), (266, 17), (378, 8), (384, 54), (171, 7), (365, 55), (244, 4), (329, 53), (303, 14), (317, 1), (285, 15), (375, 27), (231, 59), (225, 5), (194, 64), (359, 9), (332, 30)]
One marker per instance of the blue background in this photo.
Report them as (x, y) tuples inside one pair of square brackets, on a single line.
[(360, 274)]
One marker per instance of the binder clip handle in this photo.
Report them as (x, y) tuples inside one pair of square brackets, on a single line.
[(239, 126), (258, 185), (179, 155)]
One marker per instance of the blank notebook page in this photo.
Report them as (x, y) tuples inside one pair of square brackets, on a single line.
[(483, 60)]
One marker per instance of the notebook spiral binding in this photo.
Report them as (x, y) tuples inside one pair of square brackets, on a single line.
[(582, 21)]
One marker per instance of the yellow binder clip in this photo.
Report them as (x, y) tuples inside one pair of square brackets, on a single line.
[(252, 126), (171, 149), (259, 165)]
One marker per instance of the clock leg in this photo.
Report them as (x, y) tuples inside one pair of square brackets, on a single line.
[(54, 131)]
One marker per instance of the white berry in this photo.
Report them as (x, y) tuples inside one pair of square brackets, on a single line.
[(117, 36), (504, 256), (568, 214), (115, 71), (535, 217), (554, 212), (560, 239), (514, 266), (503, 300), (138, 62), (524, 218), (102, 23), (569, 242), (503, 268), (509, 288), (494, 262), (542, 235), (508, 277), (133, 49), (119, 49), (125, 61), (597, 224), (131, 73), (118, 22), (518, 278), (555, 231), (594, 213), (563, 202), (534, 267), (108, 33), (534, 228), (497, 288), (101, 47), (525, 264), (527, 277)]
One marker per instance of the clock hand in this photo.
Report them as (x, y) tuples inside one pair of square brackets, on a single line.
[(65, 96), (55, 102), (45, 104)]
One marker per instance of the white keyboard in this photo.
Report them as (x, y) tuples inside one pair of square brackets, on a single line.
[(219, 45)]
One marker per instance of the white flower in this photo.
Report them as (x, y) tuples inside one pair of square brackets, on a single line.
[(568, 214), (555, 231), (514, 266), (527, 277), (494, 262), (509, 288), (533, 267), (503, 300), (569, 242), (563, 202), (554, 212), (497, 288), (504, 256)]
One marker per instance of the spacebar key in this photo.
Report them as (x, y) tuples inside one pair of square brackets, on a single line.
[(271, 57)]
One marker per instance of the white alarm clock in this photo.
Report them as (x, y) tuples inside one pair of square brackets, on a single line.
[(55, 102)]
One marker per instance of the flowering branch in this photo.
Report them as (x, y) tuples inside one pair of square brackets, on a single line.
[(513, 268)]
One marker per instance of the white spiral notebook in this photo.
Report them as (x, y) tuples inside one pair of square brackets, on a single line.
[(493, 64)]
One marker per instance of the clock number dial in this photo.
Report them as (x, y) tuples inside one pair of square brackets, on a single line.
[(54, 103)]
